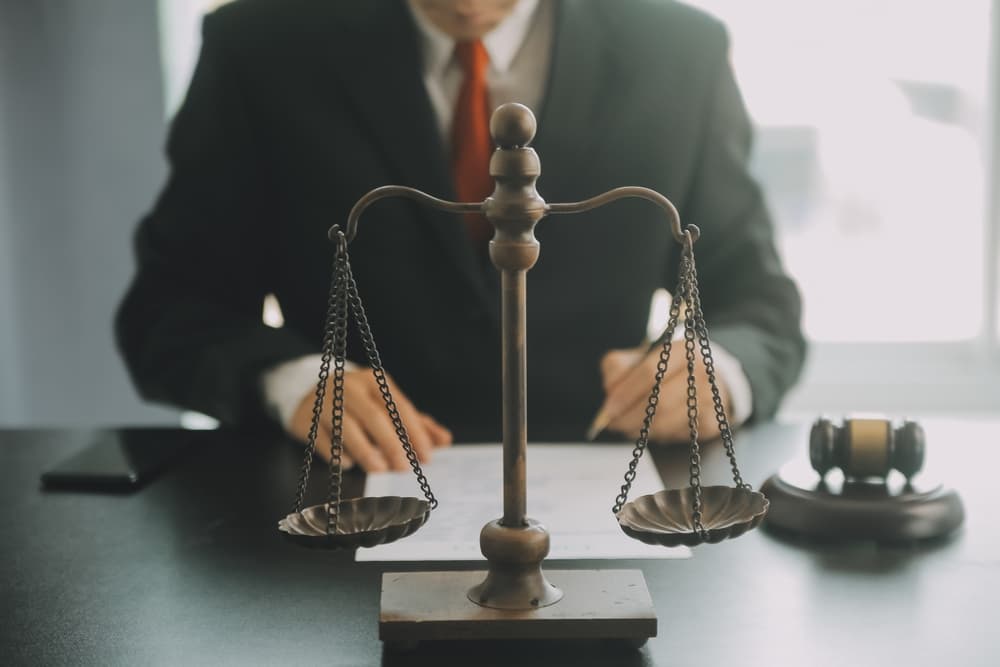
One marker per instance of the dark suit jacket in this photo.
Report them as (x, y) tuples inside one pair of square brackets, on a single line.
[(298, 107)]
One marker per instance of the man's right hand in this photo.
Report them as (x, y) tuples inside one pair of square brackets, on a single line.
[(370, 439)]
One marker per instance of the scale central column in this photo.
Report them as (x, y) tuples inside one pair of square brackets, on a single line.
[(515, 398), (514, 545), (514, 599)]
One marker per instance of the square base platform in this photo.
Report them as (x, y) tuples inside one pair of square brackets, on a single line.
[(597, 604)]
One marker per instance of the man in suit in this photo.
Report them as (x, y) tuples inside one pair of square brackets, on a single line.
[(297, 108)]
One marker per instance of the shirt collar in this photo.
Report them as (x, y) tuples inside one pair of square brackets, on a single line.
[(502, 43)]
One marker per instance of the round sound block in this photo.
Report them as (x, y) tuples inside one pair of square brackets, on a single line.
[(837, 509)]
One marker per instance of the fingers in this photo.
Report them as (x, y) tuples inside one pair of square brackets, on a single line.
[(671, 421), (633, 373), (369, 435), (357, 447), (420, 435), (370, 438), (364, 401), (362, 449), (382, 435), (324, 450), (440, 435), (616, 364)]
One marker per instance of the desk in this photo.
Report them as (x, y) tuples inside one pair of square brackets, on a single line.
[(191, 570)]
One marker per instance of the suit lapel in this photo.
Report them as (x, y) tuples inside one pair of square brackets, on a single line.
[(574, 112), (378, 57)]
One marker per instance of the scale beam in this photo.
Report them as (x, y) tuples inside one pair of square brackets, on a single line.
[(514, 598)]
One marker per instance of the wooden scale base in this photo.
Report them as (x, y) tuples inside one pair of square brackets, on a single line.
[(597, 604)]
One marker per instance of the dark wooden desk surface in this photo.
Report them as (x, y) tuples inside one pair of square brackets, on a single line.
[(191, 570)]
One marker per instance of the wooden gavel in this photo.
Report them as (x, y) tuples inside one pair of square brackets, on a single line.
[(866, 447)]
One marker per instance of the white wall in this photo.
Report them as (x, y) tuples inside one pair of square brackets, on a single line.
[(81, 130)]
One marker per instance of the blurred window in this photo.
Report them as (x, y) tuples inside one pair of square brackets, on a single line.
[(875, 138), (873, 121), (876, 145)]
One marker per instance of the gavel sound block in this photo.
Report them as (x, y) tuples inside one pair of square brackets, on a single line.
[(861, 483)]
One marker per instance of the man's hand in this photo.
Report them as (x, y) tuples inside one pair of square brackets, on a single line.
[(370, 439), (628, 379)]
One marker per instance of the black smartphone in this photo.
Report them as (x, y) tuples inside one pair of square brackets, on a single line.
[(117, 460)]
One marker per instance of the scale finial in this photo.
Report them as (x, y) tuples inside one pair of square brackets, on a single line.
[(512, 125)]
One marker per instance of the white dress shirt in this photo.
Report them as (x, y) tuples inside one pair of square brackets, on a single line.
[(520, 51)]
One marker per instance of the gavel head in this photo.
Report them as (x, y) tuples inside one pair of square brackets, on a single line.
[(866, 447)]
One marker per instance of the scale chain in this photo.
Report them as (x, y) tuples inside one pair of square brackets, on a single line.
[(687, 262), (337, 419), (324, 373), (344, 299), (695, 336), (376, 365), (720, 414), (654, 398)]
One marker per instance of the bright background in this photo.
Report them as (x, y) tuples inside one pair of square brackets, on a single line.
[(877, 144)]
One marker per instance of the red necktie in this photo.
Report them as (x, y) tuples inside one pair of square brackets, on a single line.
[(470, 138)]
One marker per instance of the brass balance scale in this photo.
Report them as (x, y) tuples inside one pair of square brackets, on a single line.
[(514, 598)]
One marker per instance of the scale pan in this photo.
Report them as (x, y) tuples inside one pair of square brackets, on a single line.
[(364, 522), (664, 517)]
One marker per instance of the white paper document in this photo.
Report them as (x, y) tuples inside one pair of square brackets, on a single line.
[(571, 489)]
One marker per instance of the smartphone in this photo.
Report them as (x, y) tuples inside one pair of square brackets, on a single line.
[(117, 460)]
